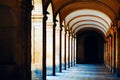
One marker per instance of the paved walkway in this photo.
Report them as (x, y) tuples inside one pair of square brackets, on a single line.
[(84, 72)]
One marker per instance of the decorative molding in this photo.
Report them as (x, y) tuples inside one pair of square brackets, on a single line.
[(36, 16), (55, 20), (49, 24)]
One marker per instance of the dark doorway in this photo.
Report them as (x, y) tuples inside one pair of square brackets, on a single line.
[(91, 50), (90, 47)]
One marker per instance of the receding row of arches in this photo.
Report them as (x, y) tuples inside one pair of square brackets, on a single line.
[(40, 37), (80, 38)]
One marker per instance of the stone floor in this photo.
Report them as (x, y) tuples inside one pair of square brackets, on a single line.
[(84, 72)]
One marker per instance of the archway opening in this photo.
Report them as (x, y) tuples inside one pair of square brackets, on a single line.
[(90, 47)]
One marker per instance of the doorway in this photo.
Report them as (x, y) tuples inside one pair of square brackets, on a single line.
[(90, 47), (91, 50)]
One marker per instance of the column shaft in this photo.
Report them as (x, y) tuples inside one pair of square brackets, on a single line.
[(74, 51), (65, 51), (44, 48), (115, 52), (69, 51), (60, 50), (118, 52), (54, 48)]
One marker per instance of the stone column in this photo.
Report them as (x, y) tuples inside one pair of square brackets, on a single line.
[(74, 50), (112, 51), (106, 58), (44, 46), (26, 38), (54, 47), (105, 52), (115, 50), (67, 35), (69, 50), (57, 50), (109, 53), (110, 39), (63, 46), (60, 49), (118, 52), (65, 51)]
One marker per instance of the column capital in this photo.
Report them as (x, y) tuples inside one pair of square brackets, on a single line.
[(110, 35), (54, 24), (45, 12), (55, 20), (45, 17), (114, 29), (74, 36), (106, 40), (65, 32), (69, 33), (117, 22), (61, 27)]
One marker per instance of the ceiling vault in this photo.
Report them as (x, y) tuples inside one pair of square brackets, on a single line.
[(98, 15)]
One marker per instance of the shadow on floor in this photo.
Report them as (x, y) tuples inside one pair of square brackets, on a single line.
[(84, 72)]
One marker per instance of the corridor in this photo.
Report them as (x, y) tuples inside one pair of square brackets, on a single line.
[(84, 72), (59, 39)]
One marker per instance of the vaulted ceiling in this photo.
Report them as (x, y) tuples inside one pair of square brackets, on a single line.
[(86, 14)]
